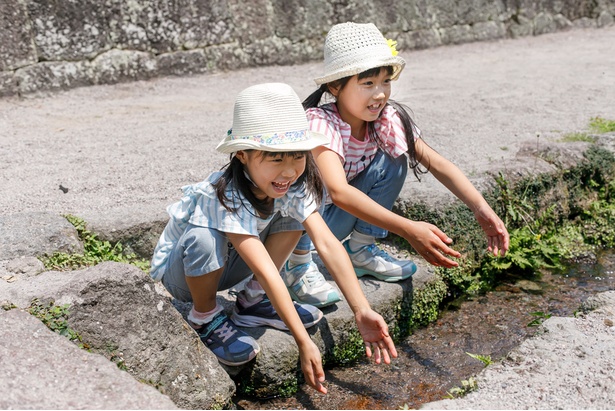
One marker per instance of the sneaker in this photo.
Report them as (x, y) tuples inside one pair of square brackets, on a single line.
[(263, 314), (308, 286), (231, 345), (371, 260)]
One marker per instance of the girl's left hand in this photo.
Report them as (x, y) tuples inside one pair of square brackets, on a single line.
[(497, 235), (375, 333), (311, 365)]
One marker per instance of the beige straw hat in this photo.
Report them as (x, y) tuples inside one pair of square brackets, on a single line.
[(270, 117), (352, 48)]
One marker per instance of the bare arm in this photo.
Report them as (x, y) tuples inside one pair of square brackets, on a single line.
[(453, 178), (371, 325), (253, 252), (427, 239)]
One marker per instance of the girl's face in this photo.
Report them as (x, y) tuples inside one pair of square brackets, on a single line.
[(272, 174), (361, 100)]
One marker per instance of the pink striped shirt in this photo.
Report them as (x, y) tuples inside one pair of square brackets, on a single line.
[(356, 154)]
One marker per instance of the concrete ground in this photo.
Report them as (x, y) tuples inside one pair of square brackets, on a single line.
[(125, 150)]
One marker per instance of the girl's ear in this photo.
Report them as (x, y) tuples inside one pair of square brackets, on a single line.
[(334, 89), (242, 156)]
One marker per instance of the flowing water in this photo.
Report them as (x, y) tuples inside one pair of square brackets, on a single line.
[(434, 359)]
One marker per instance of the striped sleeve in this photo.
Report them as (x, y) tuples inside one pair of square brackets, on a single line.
[(321, 121)]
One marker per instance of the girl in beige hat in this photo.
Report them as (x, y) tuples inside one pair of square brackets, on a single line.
[(246, 220), (372, 141)]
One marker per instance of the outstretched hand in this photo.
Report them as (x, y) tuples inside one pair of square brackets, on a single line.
[(497, 235), (375, 333), (311, 365), (432, 244)]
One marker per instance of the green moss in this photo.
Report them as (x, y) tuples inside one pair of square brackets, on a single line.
[(601, 125), (263, 390), (55, 317), (420, 307), (95, 252), (349, 351), (572, 137), (551, 219)]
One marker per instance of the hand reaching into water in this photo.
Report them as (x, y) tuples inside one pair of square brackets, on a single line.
[(497, 236), (431, 243), (311, 365), (375, 333)]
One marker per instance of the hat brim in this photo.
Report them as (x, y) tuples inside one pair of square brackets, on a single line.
[(232, 146), (397, 63)]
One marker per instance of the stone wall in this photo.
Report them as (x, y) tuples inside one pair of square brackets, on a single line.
[(49, 45)]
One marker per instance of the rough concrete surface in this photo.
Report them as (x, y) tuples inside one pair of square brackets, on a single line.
[(117, 155), (123, 151)]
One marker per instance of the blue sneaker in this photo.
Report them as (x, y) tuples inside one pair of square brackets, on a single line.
[(308, 286), (371, 260), (231, 345), (263, 314)]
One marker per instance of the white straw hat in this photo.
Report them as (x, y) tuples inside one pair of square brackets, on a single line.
[(352, 48), (270, 117)]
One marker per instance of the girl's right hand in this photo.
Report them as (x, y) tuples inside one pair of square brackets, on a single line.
[(431, 243), (311, 365)]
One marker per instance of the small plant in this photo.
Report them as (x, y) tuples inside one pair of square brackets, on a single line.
[(95, 252), (467, 386), (485, 359), (55, 317), (6, 306), (572, 137), (601, 125), (528, 253), (540, 317)]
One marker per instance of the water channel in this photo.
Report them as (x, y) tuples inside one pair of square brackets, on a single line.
[(434, 359)]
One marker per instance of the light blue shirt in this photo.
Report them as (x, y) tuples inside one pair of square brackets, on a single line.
[(200, 206)]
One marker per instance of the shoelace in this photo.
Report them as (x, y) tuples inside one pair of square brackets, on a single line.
[(225, 331), (313, 277), (378, 252)]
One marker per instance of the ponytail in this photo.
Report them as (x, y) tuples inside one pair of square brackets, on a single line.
[(313, 100)]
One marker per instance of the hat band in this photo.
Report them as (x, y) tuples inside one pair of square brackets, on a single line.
[(273, 139)]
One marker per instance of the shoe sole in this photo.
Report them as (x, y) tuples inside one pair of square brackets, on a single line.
[(250, 321), (296, 298), (235, 364), (386, 278)]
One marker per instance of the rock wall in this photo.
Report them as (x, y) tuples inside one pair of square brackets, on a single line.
[(49, 45)]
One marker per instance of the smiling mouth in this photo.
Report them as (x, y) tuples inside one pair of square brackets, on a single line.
[(281, 186), (374, 107)]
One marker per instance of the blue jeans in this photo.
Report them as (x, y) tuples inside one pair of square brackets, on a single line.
[(382, 181)]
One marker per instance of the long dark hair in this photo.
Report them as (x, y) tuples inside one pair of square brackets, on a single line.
[(313, 100), (235, 175)]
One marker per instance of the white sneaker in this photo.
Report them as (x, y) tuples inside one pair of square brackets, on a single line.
[(371, 260), (307, 285)]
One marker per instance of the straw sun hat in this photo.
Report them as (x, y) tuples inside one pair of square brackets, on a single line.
[(352, 48), (270, 117)]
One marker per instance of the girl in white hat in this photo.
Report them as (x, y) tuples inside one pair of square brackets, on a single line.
[(372, 141), (246, 220)]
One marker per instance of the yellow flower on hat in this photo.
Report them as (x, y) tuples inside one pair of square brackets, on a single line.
[(392, 43)]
